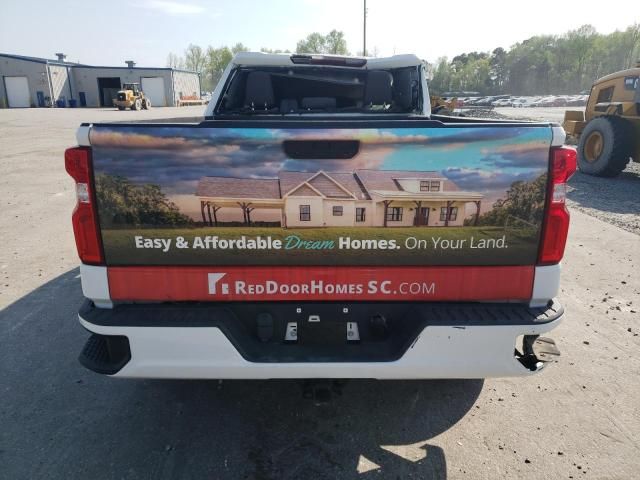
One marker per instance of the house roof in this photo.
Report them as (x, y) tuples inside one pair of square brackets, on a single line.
[(330, 184), (351, 183), (346, 185), (387, 179), (290, 180), (304, 190), (267, 188)]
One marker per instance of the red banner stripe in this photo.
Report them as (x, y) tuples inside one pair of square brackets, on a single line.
[(321, 283)]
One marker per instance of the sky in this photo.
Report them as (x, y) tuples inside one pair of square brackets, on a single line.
[(108, 33)]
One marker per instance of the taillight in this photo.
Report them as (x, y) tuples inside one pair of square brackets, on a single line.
[(556, 222), (77, 162)]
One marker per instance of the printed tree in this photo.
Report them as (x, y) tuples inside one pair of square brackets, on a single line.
[(121, 202), (524, 201)]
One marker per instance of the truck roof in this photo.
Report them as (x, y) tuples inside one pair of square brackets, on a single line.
[(250, 59), (622, 73)]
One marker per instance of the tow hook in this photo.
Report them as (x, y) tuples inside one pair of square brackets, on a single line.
[(536, 351), (321, 391)]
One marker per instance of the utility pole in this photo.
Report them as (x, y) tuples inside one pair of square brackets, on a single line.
[(364, 31)]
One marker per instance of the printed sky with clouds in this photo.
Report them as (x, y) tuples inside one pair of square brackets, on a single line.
[(481, 159)]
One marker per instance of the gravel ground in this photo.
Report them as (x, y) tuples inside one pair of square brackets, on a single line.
[(550, 114), (546, 114), (577, 419), (613, 200)]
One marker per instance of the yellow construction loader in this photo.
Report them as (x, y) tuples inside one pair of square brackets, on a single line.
[(608, 131), (131, 96), (441, 106)]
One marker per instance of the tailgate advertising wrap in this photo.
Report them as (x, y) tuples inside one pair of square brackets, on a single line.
[(188, 195), (320, 283)]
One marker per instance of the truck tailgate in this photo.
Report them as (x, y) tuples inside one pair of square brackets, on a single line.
[(413, 210)]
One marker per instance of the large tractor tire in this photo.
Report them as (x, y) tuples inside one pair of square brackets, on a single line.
[(606, 144), (137, 105), (146, 104), (120, 107)]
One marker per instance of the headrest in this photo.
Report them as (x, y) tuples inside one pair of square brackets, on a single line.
[(403, 88), (259, 91), (378, 88)]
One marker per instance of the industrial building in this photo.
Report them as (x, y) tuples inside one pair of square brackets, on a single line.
[(40, 82)]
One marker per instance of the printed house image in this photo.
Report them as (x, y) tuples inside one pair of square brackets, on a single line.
[(368, 198)]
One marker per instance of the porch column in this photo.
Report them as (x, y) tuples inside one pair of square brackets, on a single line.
[(209, 213), (416, 219), (245, 212), (448, 213), (386, 209), (475, 222), (204, 220), (215, 214)]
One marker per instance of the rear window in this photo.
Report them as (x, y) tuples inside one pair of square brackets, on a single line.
[(317, 90)]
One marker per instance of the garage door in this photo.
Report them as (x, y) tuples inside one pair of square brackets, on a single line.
[(153, 87), (17, 92)]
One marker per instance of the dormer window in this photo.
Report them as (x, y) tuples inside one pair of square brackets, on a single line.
[(429, 185)]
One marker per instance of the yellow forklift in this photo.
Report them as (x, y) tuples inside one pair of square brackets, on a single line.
[(608, 131)]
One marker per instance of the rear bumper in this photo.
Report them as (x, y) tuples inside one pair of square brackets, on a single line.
[(211, 342)]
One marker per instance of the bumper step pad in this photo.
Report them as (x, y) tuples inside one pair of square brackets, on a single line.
[(105, 354)]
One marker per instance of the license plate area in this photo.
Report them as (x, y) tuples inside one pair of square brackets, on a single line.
[(325, 331), (316, 331)]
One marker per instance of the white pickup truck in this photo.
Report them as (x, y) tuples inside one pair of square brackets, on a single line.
[(319, 222)]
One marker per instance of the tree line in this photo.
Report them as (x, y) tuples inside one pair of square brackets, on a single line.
[(210, 62), (544, 64)]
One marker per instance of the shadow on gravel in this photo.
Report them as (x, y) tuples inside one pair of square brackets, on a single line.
[(614, 195), (62, 421)]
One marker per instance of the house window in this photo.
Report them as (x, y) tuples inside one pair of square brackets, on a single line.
[(305, 213), (337, 211), (394, 214), (429, 185), (453, 213), (360, 214)]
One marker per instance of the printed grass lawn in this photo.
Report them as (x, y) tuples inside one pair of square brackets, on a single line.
[(521, 247)]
